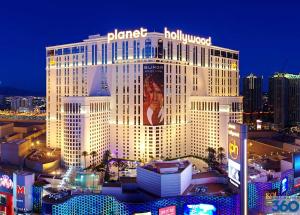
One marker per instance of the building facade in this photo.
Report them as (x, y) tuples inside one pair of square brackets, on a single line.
[(252, 92), (85, 128), (285, 99), (152, 80)]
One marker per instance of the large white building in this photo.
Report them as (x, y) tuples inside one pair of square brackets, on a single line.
[(166, 94)]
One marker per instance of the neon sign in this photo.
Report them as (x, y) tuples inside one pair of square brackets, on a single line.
[(186, 38), (119, 35), (20, 190), (233, 149), (284, 185)]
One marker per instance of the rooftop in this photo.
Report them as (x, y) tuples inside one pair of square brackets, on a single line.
[(167, 167), (16, 141)]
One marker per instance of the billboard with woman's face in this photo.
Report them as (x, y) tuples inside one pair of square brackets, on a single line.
[(153, 94)]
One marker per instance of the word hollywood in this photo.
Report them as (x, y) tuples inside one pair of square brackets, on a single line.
[(186, 38)]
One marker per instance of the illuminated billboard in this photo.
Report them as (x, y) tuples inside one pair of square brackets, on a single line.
[(6, 183), (171, 210), (153, 94), (200, 209), (284, 185), (296, 165), (22, 191), (236, 141)]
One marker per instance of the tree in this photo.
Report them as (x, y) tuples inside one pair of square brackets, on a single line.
[(221, 155), (105, 162), (85, 154), (120, 164), (94, 154), (211, 157)]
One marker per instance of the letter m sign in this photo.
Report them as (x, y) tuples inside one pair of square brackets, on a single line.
[(20, 189)]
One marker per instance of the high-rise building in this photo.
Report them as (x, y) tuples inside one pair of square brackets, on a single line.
[(285, 99), (162, 95), (252, 92)]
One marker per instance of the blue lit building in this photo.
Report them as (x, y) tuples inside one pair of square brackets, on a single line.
[(103, 204)]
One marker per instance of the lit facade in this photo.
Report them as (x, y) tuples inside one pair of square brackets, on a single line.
[(85, 128), (153, 80)]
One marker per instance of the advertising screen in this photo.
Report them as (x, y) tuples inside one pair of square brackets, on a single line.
[(234, 154), (284, 185), (6, 183), (200, 209), (3, 200), (234, 171), (296, 165), (171, 210), (153, 94)]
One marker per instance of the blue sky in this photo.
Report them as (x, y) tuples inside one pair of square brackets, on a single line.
[(266, 32)]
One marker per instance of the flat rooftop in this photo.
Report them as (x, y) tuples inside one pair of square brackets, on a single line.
[(16, 142), (167, 167), (208, 189), (206, 175)]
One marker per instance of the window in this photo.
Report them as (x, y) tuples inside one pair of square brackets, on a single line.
[(147, 48)]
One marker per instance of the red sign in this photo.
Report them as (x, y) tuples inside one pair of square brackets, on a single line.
[(171, 210), (20, 190)]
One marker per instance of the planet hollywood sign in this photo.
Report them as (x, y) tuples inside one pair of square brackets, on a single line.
[(174, 35)]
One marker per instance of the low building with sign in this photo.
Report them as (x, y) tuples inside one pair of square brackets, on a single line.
[(22, 191)]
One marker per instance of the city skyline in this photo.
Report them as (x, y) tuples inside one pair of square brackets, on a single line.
[(264, 53)]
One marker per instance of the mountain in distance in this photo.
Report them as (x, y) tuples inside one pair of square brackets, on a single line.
[(12, 91)]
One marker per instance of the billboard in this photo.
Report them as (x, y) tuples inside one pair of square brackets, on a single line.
[(22, 191), (200, 209), (296, 166), (6, 183), (153, 94), (236, 140), (171, 210)]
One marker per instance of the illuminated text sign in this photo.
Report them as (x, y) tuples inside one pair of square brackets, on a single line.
[(186, 38), (119, 35)]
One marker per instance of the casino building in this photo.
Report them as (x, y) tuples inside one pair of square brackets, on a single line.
[(140, 94)]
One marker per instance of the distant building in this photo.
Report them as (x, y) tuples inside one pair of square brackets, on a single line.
[(285, 99), (21, 104), (252, 92)]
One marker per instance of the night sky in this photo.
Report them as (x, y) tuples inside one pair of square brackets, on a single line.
[(267, 33)]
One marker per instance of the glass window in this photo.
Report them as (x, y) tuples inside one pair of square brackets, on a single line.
[(147, 48)]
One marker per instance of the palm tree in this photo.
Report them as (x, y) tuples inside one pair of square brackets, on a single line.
[(221, 155), (93, 154), (211, 158), (120, 164), (105, 162), (85, 154)]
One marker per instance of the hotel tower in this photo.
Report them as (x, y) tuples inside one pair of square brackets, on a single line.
[(140, 94)]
